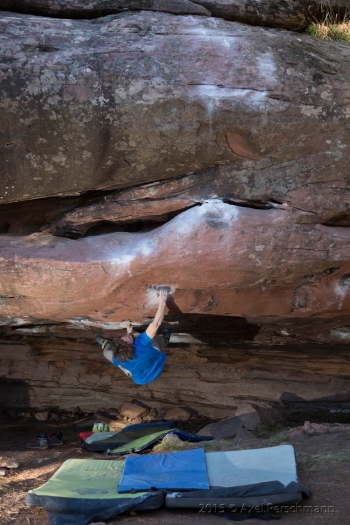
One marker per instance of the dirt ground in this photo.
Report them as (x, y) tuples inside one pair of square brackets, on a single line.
[(323, 460)]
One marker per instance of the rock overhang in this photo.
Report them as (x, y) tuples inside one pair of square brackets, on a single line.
[(218, 258), (233, 142)]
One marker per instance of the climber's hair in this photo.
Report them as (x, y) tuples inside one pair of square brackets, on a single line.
[(123, 350)]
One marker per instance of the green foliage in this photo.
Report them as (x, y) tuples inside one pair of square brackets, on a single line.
[(333, 25), (336, 32)]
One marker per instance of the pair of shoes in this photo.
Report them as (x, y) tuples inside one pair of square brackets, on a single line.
[(166, 334), (44, 441), (100, 426), (39, 442)]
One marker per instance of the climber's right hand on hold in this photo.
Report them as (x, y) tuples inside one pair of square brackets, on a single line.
[(162, 297), (158, 318)]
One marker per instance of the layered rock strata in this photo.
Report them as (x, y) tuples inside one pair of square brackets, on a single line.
[(216, 258), (145, 149), (70, 371), (289, 14)]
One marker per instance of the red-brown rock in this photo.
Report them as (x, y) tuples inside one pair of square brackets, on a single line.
[(216, 258)]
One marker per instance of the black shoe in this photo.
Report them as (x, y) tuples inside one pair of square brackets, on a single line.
[(166, 334), (55, 439)]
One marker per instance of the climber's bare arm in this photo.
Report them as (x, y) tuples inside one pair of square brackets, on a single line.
[(128, 338), (158, 318)]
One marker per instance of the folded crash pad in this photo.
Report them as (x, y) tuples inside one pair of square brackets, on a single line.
[(102, 441), (147, 441), (184, 470), (255, 477), (83, 490)]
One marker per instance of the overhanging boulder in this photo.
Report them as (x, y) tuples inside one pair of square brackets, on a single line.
[(111, 103)]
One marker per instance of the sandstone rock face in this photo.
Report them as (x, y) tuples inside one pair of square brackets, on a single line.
[(291, 14), (98, 8), (116, 102), (271, 262), (212, 379), (145, 149)]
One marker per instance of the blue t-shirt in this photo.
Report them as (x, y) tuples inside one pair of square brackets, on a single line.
[(147, 363)]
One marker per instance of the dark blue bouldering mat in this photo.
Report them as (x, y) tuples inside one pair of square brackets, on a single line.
[(186, 469)]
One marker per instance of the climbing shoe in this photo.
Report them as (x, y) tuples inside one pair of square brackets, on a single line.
[(55, 439), (101, 341), (166, 334), (106, 345), (38, 443)]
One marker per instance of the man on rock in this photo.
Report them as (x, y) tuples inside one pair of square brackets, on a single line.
[(141, 358)]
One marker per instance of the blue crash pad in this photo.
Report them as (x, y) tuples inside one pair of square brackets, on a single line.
[(186, 469)]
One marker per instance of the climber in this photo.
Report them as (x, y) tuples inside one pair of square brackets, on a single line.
[(141, 358)]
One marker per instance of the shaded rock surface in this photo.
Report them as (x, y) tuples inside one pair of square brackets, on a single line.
[(43, 370), (248, 415), (248, 437), (224, 429), (290, 14), (42, 416), (177, 414), (133, 410), (147, 96), (98, 8), (145, 149)]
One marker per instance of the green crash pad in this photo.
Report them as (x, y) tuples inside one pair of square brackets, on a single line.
[(102, 441), (145, 442), (86, 489)]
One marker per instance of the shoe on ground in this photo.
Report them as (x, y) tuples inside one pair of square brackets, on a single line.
[(38, 443), (100, 426), (55, 439)]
